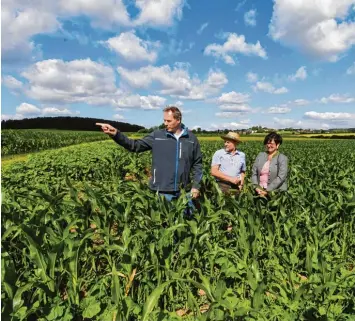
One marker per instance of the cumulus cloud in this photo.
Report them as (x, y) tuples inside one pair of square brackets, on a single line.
[(233, 98), (268, 88), (337, 98), (250, 18), (231, 125), (133, 48), (27, 109), (235, 44), (264, 85), (158, 12), (202, 27), (229, 114), (19, 24), (320, 30), (236, 108), (278, 110), (21, 20), (144, 102), (12, 83), (175, 81), (300, 102), (351, 70), (118, 117), (54, 111), (233, 104), (81, 81), (329, 116), (286, 122), (301, 74), (74, 81), (252, 77)]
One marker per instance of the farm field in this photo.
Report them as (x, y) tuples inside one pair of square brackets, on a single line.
[(32, 140), (83, 238)]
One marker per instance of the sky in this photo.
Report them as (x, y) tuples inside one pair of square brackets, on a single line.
[(227, 64)]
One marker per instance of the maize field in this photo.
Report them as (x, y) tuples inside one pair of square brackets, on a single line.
[(33, 140), (83, 238)]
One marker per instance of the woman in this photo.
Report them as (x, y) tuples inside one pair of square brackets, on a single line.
[(269, 171)]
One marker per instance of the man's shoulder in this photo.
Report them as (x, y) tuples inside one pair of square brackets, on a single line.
[(159, 133), (241, 153), (220, 152), (191, 134)]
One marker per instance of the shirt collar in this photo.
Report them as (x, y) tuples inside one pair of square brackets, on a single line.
[(228, 153), (183, 133)]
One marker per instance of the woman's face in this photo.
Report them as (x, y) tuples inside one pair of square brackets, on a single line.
[(271, 146)]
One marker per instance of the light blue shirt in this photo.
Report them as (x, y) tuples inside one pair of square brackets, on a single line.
[(231, 165)]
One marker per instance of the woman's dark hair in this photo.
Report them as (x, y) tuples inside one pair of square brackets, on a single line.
[(273, 136)]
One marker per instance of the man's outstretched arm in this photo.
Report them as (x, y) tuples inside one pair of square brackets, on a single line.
[(133, 145)]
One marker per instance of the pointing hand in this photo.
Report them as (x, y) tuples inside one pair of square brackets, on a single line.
[(108, 129)]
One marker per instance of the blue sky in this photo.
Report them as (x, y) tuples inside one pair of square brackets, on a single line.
[(227, 64)]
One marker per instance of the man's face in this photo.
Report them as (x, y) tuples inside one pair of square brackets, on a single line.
[(230, 145), (171, 124)]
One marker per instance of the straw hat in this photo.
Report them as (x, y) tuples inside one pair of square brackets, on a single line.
[(232, 136)]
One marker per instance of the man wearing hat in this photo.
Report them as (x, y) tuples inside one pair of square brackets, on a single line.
[(228, 165)]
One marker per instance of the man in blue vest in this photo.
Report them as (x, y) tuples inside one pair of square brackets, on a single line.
[(176, 154)]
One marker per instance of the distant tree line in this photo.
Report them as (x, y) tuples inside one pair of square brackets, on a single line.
[(66, 123)]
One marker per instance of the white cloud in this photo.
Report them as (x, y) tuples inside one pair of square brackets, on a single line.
[(54, 111), (144, 102), (27, 109), (232, 126), (315, 27), (202, 27), (250, 18), (269, 88), (252, 77), (13, 117), (12, 83), (18, 27), (329, 116), (178, 104), (185, 111), (236, 108), (278, 110), (240, 5), (159, 12), (234, 44), (105, 13), (118, 117), (133, 48), (175, 81), (70, 82), (286, 122), (21, 20), (233, 103), (336, 98), (233, 98), (229, 114), (351, 70), (300, 102), (301, 74)]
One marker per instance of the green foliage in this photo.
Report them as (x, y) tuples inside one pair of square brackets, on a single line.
[(81, 242), (33, 140)]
